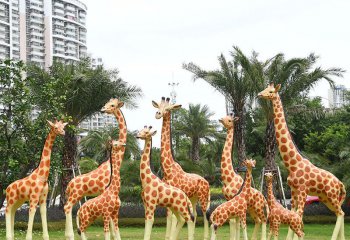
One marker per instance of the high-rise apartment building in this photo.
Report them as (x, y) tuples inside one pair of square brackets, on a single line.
[(337, 97), (41, 30)]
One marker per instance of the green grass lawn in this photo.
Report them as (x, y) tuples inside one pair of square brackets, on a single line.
[(312, 231)]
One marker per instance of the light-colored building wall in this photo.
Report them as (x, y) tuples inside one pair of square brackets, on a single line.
[(336, 96)]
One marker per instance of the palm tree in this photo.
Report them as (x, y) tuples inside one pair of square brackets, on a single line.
[(76, 91), (97, 144), (238, 89), (296, 76), (195, 123)]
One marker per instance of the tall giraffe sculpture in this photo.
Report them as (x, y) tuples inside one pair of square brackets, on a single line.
[(234, 208), (108, 203), (232, 182), (156, 192), (195, 186), (305, 178), (279, 214), (94, 182), (33, 188)]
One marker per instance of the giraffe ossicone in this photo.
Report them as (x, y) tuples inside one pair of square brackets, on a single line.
[(193, 185), (305, 178), (33, 188), (155, 193)]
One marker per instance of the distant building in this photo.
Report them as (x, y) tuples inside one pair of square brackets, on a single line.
[(336, 96), (42, 30), (98, 121), (95, 62)]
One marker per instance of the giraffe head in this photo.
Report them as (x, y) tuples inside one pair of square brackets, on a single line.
[(164, 107), (112, 105), (57, 126), (249, 163), (269, 176), (228, 121), (146, 133), (117, 145), (270, 92)]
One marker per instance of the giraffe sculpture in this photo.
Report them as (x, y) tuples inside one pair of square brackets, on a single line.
[(232, 182), (279, 214), (94, 182), (156, 192), (193, 185), (33, 188), (305, 178), (234, 208), (108, 203)]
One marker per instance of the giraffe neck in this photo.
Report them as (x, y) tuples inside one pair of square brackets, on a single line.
[(289, 152), (117, 158), (165, 149), (226, 159), (145, 165), (121, 124), (248, 182), (270, 196), (44, 166)]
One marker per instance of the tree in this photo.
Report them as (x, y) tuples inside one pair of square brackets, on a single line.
[(195, 123), (238, 89), (296, 76), (76, 91), (97, 144)]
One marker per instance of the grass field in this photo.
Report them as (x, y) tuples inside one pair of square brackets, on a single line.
[(312, 231)]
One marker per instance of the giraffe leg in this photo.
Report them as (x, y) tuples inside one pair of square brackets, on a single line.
[(44, 218), (238, 230), (204, 200), (341, 232), (232, 229), (257, 223), (83, 236), (263, 231), (180, 223), (32, 211), (106, 222), (9, 226), (115, 221), (338, 226), (213, 232), (190, 229), (69, 231), (112, 227), (269, 236), (149, 219), (244, 228), (194, 204), (294, 203), (173, 224), (168, 223)]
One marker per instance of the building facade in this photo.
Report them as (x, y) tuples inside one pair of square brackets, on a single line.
[(40, 31), (337, 97)]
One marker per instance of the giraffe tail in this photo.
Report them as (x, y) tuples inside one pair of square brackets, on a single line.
[(342, 193), (78, 227), (190, 208)]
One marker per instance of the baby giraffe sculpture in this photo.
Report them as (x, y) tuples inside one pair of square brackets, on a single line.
[(235, 208), (108, 203), (156, 192), (281, 215), (232, 182), (33, 188)]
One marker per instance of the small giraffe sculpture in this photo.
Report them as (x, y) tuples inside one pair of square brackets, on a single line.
[(94, 182), (33, 188), (232, 182), (305, 178), (193, 185), (156, 192), (279, 214), (108, 203), (234, 208)]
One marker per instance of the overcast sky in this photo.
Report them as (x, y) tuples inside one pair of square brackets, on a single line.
[(149, 40)]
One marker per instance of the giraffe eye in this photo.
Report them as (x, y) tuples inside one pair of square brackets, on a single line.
[(229, 120), (271, 91), (112, 105)]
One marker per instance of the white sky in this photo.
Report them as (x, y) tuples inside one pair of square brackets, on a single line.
[(149, 40)]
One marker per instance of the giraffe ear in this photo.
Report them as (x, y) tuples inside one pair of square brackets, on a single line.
[(120, 104), (154, 133), (65, 124), (50, 123), (277, 88), (235, 119), (155, 104), (176, 106)]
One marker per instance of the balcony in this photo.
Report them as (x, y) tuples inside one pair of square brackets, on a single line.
[(58, 11), (71, 8), (58, 4)]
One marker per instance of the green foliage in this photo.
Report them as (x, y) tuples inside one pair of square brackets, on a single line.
[(87, 164)]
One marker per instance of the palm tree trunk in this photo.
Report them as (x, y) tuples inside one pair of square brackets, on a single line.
[(68, 160), (2, 196), (270, 146), (195, 149), (239, 134)]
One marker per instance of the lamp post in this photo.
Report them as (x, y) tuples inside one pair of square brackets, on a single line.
[(173, 96)]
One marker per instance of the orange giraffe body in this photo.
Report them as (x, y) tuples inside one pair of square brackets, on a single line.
[(279, 214), (193, 185), (155, 193), (33, 188), (305, 178), (234, 208), (108, 203), (96, 181), (232, 183)]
